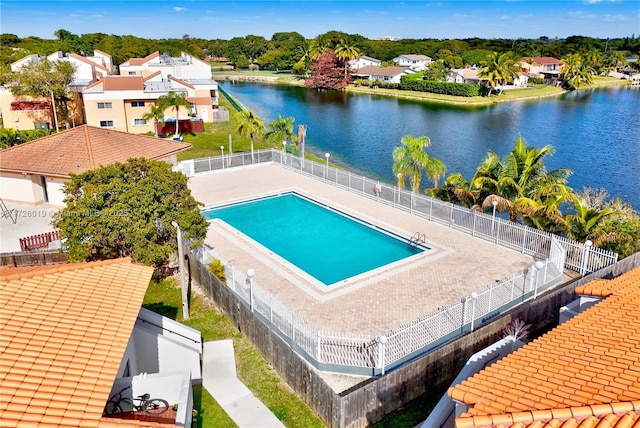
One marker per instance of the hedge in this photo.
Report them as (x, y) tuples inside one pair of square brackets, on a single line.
[(446, 88)]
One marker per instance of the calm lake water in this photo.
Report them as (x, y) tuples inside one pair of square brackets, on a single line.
[(596, 133)]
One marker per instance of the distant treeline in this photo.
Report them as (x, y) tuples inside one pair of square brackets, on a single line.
[(286, 49)]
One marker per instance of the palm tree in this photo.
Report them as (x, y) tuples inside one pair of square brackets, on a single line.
[(318, 47), (157, 114), (455, 189), (249, 125), (346, 52), (580, 225), (576, 71), (410, 160), (499, 68), (520, 183), (281, 129), (176, 100)]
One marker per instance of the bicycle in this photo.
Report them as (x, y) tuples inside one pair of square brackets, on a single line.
[(146, 404)]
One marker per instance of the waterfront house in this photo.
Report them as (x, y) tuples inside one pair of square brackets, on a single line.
[(35, 172), (363, 61), (464, 75), (75, 334), (382, 74), (545, 67), (22, 112), (583, 373), (415, 62)]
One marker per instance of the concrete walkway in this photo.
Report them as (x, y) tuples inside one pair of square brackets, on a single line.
[(220, 379)]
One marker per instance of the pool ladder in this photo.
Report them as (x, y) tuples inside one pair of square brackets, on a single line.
[(417, 238)]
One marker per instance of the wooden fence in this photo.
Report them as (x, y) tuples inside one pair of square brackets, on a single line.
[(39, 242), (33, 258)]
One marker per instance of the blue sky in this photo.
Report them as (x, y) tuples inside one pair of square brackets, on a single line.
[(372, 19)]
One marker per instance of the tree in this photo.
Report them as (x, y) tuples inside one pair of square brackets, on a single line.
[(585, 219), (520, 183), (410, 160), (345, 52), (45, 79), (576, 71), (249, 125), (327, 73), (157, 114), (176, 100), (281, 129), (126, 210), (499, 69), (437, 71)]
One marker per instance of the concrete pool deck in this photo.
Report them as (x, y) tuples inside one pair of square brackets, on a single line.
[(379, 303)]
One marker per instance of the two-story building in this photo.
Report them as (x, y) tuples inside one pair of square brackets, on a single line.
[(415, 62), (23, 112), (542, 66), (363, 61), (121, 102)]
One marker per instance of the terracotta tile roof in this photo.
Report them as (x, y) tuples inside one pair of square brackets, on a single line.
[(83, 148), (88, 61), (542, 60), (30, 105), (141, 61), (64, 332), (586, 369), (199, 100), (123, 83)]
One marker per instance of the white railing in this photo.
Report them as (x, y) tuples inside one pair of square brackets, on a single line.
[(356, 353), (350, 353), (580, 257)]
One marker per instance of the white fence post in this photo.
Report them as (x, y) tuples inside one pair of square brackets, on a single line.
[(585, 257), (381, 352)]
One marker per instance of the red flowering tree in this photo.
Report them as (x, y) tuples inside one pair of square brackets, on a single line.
[(327, 72)]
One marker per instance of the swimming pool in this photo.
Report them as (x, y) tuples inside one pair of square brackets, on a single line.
[(329, 245)]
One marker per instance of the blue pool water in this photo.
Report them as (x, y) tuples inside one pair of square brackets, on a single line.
[(326, 244)]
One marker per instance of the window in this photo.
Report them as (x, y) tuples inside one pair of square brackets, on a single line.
[(106, 124), (132, 73), (139, 122), (104, 105), (137, 103)]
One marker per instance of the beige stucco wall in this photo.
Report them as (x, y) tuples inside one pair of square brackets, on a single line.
[(16, 187), (22, 120)]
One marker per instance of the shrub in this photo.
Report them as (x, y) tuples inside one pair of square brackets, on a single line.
[(411, 83)]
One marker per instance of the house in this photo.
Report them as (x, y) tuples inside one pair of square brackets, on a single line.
[(464, 75), (383, 74), (35, 172), (363, 61), (415, 62), (22, 112), (545, 67), (69, 343), (470, 76), (185, 67), (121, 102), (583, 373)]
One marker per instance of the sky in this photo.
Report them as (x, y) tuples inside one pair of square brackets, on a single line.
[(225, 19)]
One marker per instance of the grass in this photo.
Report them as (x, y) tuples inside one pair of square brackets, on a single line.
[(253, 370)]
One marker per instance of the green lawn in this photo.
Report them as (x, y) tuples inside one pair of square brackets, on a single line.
[(253, 370)]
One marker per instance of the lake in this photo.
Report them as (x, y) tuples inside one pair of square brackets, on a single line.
[(596, 133)]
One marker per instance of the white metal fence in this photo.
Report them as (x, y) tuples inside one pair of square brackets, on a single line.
[(363, 354), (582, 258)]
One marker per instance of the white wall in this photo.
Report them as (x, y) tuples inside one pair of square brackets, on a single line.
[(16, 187), (174, 387), (55, 191)]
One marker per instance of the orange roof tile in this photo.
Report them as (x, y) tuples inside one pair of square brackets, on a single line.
[(583, 373), (83, 148), (123, 83), (141, 61), (64, 331)]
